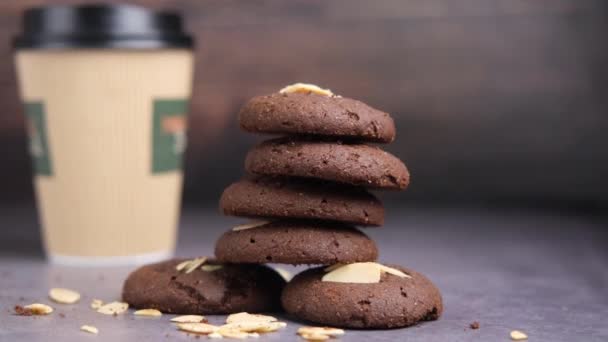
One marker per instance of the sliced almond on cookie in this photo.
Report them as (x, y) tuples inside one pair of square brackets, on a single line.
[(393, 271), (194, 264), (249, 225), (333, 267), (182, 265), (361, 273), (211, 268), (306, 88)]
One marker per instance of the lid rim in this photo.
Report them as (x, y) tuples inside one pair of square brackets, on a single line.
[(100, 26), (130, 42)]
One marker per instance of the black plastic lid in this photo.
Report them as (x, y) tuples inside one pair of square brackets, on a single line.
[(100, 26)]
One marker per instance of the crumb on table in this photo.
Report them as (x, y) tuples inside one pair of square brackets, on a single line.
[(21, 311)]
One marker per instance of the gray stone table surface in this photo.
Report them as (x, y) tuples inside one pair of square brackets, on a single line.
[(544, 274)]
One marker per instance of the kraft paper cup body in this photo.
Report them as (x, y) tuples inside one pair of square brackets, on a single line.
[(107, 130)]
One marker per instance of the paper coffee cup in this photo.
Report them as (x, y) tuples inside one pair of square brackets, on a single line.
[(106, 91)]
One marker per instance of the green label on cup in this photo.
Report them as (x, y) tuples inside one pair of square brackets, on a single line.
[(168, 134), (38, 138)]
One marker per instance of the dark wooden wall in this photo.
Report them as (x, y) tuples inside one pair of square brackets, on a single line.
[(494, 99)]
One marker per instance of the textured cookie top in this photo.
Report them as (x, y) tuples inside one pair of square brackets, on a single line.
[(316, 114), (356, 164), (301, 198), (296, 242), (392, 302), (206, 289)]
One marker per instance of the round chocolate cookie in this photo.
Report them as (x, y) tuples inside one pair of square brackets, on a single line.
[(229, 289), (296, 242), (301, 198), (355, 164), (393, 302), (314, 114)]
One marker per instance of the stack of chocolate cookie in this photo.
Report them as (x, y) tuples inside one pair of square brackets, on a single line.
[(311, 188)]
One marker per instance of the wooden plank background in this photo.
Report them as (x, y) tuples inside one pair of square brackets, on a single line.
[(494, 99)]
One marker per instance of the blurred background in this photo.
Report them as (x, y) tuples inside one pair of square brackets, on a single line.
[(497, 102), (501, 108)]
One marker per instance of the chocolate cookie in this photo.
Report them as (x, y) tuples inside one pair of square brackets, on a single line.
[(296, 242), (355, 164), (301, 198), (391, 303), (313, 114), (229, 289)]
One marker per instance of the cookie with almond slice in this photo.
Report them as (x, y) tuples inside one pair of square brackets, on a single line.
[(398, 297), (296, 242), (316, 113), (210, 288)]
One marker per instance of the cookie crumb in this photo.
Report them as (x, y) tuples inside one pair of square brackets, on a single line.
[(21, 311), (62, 315), (474, 325)]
